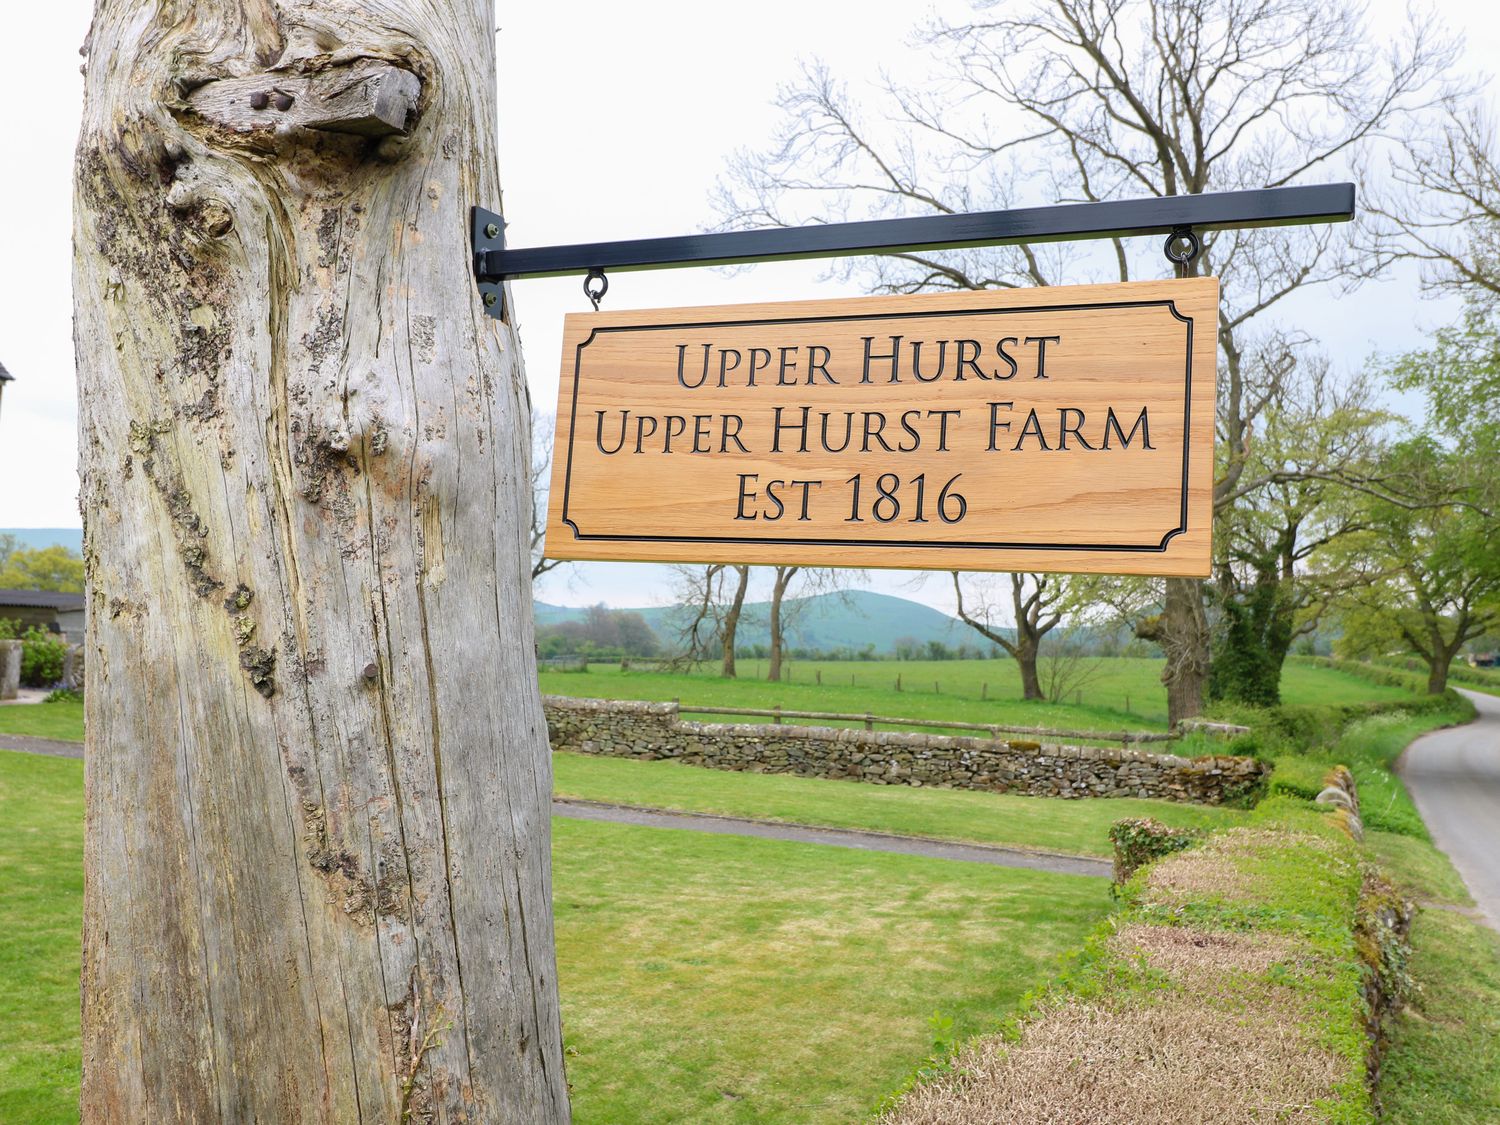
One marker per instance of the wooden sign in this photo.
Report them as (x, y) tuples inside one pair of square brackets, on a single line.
[(1058, 429)]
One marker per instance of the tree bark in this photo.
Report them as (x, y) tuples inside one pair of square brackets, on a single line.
[(732, 619), (1031, 683), (317, 883), (1437, 675), (1184, 639)]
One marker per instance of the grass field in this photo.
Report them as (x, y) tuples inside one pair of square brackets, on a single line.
[(1080, 827), (704, 978), (857, 687), (962, 684)]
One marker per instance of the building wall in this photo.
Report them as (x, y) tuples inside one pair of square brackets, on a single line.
[(29, 615)]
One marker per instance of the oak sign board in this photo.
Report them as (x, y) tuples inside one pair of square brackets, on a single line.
[(1056, 429)]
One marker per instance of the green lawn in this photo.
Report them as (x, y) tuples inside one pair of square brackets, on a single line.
[(41, 901), (1080, 827), (976, 691), (1442, 1066), (63, 719), (704, 978), (721, 979)]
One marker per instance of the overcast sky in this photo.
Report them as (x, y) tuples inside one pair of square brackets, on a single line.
[(615, 121)]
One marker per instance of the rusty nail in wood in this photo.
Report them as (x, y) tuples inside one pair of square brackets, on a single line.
[(371, 671), (282, 101), (259, 99)]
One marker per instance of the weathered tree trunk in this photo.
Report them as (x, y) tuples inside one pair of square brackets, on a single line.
[(1439, 651), (317, 849), (1031, 683), (732, 618), (1184, 639), (1437, 676)]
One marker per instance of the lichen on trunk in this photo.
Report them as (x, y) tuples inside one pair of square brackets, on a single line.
[(316, 769)]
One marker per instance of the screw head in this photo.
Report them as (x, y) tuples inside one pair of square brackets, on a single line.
[(371, 672), (489, 300), (492, 230)]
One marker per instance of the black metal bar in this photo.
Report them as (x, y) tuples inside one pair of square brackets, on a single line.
[(1265, 207)]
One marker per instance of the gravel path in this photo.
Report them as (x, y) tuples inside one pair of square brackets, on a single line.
[(1454, 777), (737, 826)]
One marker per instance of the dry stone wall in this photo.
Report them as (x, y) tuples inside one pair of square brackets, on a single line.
[(627, 729)]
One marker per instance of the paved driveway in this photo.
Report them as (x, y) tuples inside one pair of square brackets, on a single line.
[(1454, 776)]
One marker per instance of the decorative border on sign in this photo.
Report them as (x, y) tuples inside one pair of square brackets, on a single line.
[(1157, 548)]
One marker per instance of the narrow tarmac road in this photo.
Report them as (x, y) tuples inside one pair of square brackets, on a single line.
[(1454, 777), (835, 837)]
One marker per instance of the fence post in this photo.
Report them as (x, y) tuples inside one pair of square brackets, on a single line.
[(777, 717), (984, 691), (937, 688), (819, 675), (869, 720), (898, 681)]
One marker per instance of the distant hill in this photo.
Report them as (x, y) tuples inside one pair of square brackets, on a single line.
[(825, 622), (33, 538)]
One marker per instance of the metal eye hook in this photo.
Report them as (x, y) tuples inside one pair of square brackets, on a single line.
[(1181, 248), (592, 292)]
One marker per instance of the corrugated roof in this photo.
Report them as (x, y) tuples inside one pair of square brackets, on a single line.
[(40, 599)]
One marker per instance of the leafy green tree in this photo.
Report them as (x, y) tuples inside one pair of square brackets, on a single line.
[(42, 568), (1459, 373), (1274, 576), (1432, 574)]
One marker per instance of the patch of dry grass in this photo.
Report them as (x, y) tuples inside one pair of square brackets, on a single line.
[(1161, 1060), (1189, 954), (1227, 992)]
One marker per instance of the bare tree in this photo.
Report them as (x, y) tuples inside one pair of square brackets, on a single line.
[(1066, 665), (1082, 100), (317, 881), (729, 626), (1035, 601), (697, 592), (543, 430), (1442, 204), (811, 582), (781, 581)]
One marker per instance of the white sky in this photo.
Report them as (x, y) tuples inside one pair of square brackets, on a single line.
[(615, 120)]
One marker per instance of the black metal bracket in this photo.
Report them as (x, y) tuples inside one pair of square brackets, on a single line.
[(487, 234), (1264, 207)]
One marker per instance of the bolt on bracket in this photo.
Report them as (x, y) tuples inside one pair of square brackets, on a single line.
[(487, 231)]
